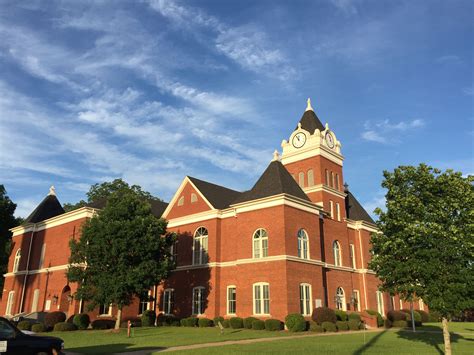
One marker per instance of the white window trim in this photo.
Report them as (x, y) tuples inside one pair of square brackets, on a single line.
[(35, 300), (227, 297), (262, 300), (338, 211), (380, 305), (357, 293), (338, 257), (344, 305), (171, 291), (17, 260), (194, 198), (331, 207), (109, 314), (421, 305), (352, 254), (301, 179), (10, 303), (260, 244), (181, 201), (203, 251), (310, 178), (306, 312), (401, 303), (202, 288), (147, 303), (300, 243)]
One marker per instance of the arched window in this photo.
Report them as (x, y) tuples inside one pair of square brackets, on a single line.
[(310, 177), (303, 251), (10, 301), (260, 243), (340, 299), (200, 246), (301, 179), (16, 262), (181, 201), (336, 247), (194, 197)]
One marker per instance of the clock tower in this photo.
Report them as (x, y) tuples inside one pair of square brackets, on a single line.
[(312, 155)]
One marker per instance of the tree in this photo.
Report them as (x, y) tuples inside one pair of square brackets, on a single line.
[(425, 248), (123, 251), (102, 191), (7, 221)]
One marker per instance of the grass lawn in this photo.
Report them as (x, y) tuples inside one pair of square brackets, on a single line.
[(428, 341)]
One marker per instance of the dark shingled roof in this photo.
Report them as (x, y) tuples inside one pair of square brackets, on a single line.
[(355, 211), (275, 180), (157, 206), (310, 122), (48, 208), (220, 197)]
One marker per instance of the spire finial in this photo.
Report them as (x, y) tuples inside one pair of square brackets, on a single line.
[(308, 106), (52, 191), (276, 156)]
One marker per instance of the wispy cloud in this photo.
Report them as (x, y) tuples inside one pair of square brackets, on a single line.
[(449, 60), (385, 131), (346, 6)]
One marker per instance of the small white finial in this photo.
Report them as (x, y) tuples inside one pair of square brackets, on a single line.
[(52, 191), (276, 156), (308, 106)]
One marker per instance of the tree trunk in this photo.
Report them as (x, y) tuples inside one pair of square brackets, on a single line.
[(412, 317), (447, 339), (119, 317)]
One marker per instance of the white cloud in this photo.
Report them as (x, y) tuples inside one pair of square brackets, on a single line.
[(373, 136), (377, 201), (449, 60), (386, 131), (346, 6)]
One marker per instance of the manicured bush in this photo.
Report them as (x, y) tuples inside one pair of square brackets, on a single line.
[(434, 316), (354, 324), (396, 315), (341, 315), (217, 320), (355, 316), (24, 325), (81, 321), (295, 322), (329, 327), (71, 319), (387, 323), (415, 314), (148, 318), (50, 319), (236, 323), (273, 324), (342, 325), (205, 322), (380, 321), (258, 324), (101, 324), (248, 322), (226, 323), (189, 322), (167, 320), (425, 317), (400, 324), (38, 328), (64, 327), (315, 327), (324, 314)]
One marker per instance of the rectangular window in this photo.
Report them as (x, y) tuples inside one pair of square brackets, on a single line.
[(401, 304), (143, 306), (11, 299), (261, 296), (421, 305), (331, 206), (380, 307), (231, 300), (326, 178), (168, 301), (105, 309), (41, 260), (198, 300), (34, 304), (392, 303), (356, 300), (352, 254), (305, 299), (332, 179), (338, 211), (301, 179), (337, 182), (174, 252), (310, 177)]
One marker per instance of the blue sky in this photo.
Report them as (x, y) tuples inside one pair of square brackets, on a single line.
[(151, 91)]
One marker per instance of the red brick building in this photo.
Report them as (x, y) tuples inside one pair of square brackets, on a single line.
[(298, 239)]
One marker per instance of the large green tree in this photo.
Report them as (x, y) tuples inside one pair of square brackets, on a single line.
[(123, 251), (425, 248)]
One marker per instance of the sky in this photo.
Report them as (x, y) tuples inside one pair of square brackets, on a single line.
[(152, 91)]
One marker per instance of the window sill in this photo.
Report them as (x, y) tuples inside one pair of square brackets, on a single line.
[(262, 315)]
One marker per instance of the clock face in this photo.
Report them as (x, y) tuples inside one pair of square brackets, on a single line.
[(329, 140), (299, 140)]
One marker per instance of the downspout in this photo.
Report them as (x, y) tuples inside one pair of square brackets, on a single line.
[(27, 269), (323, 259), (363, 267)]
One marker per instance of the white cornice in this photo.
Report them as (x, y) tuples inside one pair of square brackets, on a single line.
[(322, 187), (362, 225), (40, 271)]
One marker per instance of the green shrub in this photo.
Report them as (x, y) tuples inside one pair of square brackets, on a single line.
[(71, 319), (324, 314), (380, 321), (205, 322), (387, 323), (216, 320), (396, 315), (273, 324), (189, 322), (168, 320), (434, 316), (226, 323), (64, 327), (24, 325), (248, 322), (81, 321), (148, 318), (342, 325), (236, 323), (50, 319), (400, 324), (38, 328), (315, 327), (258, 324), (295, 322), (354, 324), (425, 317), (101, 324), (329, 327), (341, 315), (355, 316), (415, 314)]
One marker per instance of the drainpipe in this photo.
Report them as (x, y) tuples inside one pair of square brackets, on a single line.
[(27, 268), (323, 259)]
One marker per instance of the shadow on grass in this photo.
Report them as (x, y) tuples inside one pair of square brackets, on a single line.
[(370, 343), (113, 348)]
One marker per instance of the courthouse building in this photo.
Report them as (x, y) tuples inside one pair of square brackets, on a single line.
[(296, 240)]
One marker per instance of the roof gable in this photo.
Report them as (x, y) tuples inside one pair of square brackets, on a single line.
[(48, 208), (220, 197), (355, 211)]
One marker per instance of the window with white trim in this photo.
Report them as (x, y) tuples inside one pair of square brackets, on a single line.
[(337, 182), (332, 179), (301, 179), (105, 309), (380, 306), (231, 300), (303, 250), (331, 208), (338, 211), (194, 197), (198, 300), (326, 179), (336, 248), (143, 306), (305, 299), (392, 303), (41, 260), (340, 299), (310, 177), (260, 243), (34, 303), (352, 255), (10, 301), (421, 305), (200, 246), (357, 300), (16, 262), (168, 301), (181, 201), (261, 298), (174, 251)]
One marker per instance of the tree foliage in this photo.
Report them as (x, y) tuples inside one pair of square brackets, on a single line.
[(125, 248)]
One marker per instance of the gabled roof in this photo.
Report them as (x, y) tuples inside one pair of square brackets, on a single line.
[(219, 197), (275, 180), (48, 208), (157, 206), (310, 122), (355, 211)]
